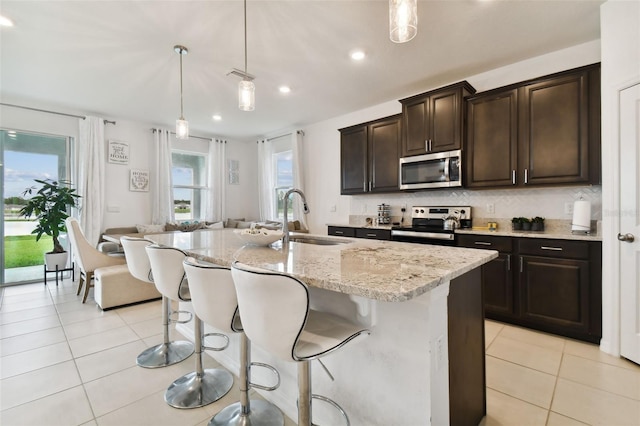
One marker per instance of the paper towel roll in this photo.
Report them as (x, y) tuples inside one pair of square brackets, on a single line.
[(581, 216)]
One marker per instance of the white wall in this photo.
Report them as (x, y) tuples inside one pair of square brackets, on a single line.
[(134, 207), (322, 158), (620, 32)]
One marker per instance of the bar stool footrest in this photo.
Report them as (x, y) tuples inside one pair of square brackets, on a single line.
[(177, 321), (335, 405), (268, 367), (213, 348)]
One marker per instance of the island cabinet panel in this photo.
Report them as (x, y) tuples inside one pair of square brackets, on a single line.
[(547, 284), (467, 395), (369, 156), (434, 121), (540, 132)]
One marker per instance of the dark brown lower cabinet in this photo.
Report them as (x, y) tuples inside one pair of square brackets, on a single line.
[(546, 284)]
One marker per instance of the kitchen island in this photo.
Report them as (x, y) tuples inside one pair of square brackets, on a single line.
[(422, 303)]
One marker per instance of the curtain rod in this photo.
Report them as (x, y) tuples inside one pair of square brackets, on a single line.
[(190, 136), (53, 112), (299, 132)]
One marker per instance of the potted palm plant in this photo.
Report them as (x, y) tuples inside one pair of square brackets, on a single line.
[(50, 205)]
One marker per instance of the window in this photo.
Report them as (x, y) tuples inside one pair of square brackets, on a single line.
[(26, 156), (283, 181), (189, 174)]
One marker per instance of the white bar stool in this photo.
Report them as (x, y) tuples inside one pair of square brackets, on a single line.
[(168, 352), (275, 314), (215, 302), (200, 387)]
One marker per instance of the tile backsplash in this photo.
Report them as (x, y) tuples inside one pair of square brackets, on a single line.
[(549, 203)]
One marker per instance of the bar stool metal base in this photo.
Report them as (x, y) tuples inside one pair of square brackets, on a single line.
[(262, 413), (165, 354), (196, 390)]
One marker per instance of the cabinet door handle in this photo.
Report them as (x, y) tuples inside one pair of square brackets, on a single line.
[(521, 265), (364, 186), (338, 232), (526, 176), (482, 243), (551, 248), (370, 186), (508, 262), (372, 235), (430, 145), (513, 176), (426, 145)]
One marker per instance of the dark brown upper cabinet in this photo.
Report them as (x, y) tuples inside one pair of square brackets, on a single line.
[(434, 121), (369, 156), (540, 132)]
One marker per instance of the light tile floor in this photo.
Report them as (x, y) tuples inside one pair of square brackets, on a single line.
[(67, 363)]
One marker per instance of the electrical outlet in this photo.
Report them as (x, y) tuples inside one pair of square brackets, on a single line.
[(491, 208), (568, 208), (332, 208)]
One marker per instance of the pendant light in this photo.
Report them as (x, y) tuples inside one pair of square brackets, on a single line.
[(403, 20), (182, 125), (246, 88)]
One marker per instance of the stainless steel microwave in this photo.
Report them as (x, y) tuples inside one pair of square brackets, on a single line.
[(439, 170)]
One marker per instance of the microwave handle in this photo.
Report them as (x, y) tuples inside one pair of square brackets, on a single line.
[(446, 168)]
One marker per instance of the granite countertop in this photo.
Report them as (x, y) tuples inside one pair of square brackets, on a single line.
[(554, 229), (382, 270)]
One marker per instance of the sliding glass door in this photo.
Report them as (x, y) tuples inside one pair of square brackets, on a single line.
[(25, 157)]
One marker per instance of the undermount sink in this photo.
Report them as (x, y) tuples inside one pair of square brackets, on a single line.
[(317, 240)]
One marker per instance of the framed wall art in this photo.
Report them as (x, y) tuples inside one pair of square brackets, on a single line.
[(139, 180), (118, 152), (234, 172)]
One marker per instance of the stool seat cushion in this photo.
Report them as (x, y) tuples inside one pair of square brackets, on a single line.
[(324, 332), (115, 286)]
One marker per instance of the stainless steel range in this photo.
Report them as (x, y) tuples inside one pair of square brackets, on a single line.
[(433, 225)]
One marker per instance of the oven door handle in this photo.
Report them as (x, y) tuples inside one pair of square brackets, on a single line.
[(423, 235)]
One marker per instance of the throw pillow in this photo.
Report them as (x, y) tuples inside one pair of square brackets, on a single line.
[(243, 225), (149, 229), (216, 225), (233, 223)]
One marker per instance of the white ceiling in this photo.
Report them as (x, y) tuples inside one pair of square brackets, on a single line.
[(116, 59)]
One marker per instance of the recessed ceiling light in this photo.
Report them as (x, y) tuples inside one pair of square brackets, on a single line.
[(284, 89), (5, 22), (357, 55), (217, 117)]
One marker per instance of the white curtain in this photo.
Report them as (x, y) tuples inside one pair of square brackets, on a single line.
[(266, 192), (91, 176), (216, 203), (298, 176), (161, 182)]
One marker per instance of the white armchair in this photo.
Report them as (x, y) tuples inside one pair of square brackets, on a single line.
[(87, 257)]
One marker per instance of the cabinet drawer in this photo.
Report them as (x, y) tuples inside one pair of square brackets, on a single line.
[(342, 231), (555, 248), (489, 242), (375, 234)]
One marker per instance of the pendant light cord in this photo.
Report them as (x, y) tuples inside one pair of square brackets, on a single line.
[(245, 36), (181, 105)]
